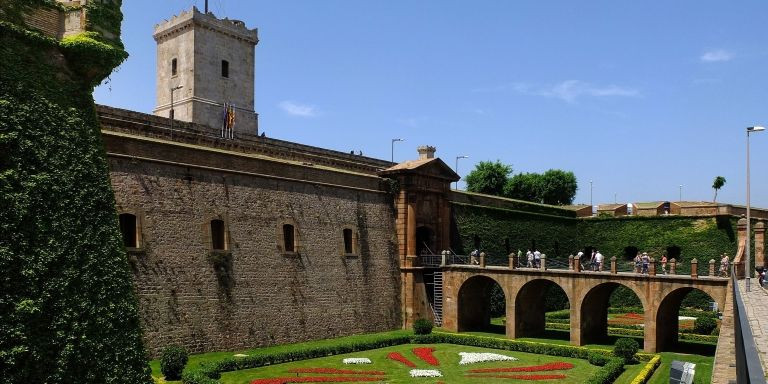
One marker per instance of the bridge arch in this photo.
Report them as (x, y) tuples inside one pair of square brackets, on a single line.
[(667, 321), (593, 311), (474, 302), (528, 318)]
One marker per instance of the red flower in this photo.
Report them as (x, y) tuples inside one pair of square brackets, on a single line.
[(397, 356), (315, 379), (336, 371), (425, 354), (556, 366), (523, 377)]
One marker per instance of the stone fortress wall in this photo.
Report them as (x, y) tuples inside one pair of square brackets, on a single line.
[(259, 294)]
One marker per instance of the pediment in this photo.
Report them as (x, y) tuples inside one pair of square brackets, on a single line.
[(432, 167)]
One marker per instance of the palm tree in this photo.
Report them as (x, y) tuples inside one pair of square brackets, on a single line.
[(717, 184)]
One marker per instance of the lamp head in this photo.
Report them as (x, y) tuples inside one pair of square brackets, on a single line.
[(462, 157), (393, 140), (756, 128)]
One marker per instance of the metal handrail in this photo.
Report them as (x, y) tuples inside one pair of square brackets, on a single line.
[(748, 366)]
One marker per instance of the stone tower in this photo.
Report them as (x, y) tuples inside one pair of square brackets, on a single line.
[(212, 61)]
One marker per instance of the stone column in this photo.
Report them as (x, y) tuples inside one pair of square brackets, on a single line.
[(410, 230), (512, 260), (694, 269), (760, 245), (543, 263), (614, 270), (652, 267), (577, 264), (672, 266), (738, 260), (482, 259), (570, 263), (443, 258), (711, 267)]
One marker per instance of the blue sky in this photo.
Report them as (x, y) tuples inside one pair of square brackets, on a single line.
[(639, 97)]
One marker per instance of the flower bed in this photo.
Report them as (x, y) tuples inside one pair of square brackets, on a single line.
[(425, 354), (475, 357), (556, 366), (397, 356), (523, 377), (356, 360), (425, 373), (315, 379), (336, 371)]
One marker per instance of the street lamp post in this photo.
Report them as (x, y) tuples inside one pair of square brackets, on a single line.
[(456, 169), (680, 197), (393, 148), (591, 206), (172, 116), (747, 269)]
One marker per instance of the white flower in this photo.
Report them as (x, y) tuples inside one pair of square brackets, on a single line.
[(357, 360), (474, 357), (425, 373)]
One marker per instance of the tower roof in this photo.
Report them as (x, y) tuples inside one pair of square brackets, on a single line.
[(186, 19)]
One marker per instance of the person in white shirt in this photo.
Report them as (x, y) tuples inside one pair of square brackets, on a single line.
[(537, 259), (529, 256), (599, 260)]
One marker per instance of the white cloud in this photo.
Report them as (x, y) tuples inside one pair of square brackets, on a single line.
[(570, 90), (296, 109), (716, 55)]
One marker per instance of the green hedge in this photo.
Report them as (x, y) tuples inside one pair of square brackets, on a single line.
[(69, 311)]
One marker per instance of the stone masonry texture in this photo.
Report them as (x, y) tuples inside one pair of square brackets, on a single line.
[(264, 296)]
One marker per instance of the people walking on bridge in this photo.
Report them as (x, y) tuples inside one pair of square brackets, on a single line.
[(593, 261), (646, 262), (724, 265), (599, 260), (529, 257), (473, 257), (537, 259), (638, 262), (664, 263)]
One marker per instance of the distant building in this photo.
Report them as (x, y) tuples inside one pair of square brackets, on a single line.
[(616, 210)]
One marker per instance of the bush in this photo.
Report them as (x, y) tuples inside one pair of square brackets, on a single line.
[(172, 362), (625, 348), (704, 325), (597, 359), (608, 373), (422, 327)]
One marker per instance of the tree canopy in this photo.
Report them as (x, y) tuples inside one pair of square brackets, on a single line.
[(718, 183), (488, 177), (554, 187)]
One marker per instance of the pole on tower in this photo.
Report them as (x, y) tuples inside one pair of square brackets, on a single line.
[(206, 6)]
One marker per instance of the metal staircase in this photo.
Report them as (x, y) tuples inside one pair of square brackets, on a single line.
[(437, 306)]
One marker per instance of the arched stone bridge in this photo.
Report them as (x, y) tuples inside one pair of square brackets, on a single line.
[(466, 300)]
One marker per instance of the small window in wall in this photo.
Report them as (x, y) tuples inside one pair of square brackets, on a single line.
[(218, 235), (174, 67), (289, 237), (224, 68), (129, 230), (348, 241)]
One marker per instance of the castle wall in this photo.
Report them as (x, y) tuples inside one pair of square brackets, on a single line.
[(262, 295)]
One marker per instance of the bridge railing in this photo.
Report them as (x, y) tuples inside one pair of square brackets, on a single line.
[(748, 366)]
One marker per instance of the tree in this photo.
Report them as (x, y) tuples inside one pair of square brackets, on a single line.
[(557, 187), (488, 177), (717, 184), (523, 186)]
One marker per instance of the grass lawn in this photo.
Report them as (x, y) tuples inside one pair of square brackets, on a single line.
[(703, 367), (397, 372)]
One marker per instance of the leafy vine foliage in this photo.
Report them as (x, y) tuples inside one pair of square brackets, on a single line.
[(67, 305)]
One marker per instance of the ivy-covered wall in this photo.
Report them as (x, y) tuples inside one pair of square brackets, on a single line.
[(501, 231), (703, 238), (68, 313)]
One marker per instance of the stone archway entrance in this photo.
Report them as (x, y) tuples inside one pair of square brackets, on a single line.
[(425, 244)]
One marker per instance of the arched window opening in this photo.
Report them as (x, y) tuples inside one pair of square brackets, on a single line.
[(224, 68), (218, 237), (289, 238), (174, 67), (129, 230), (348, 244)]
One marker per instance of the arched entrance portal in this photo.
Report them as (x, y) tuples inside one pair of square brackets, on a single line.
[(424, 241), (475, 303), (668, 322), (531, 305), (594, 312)]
